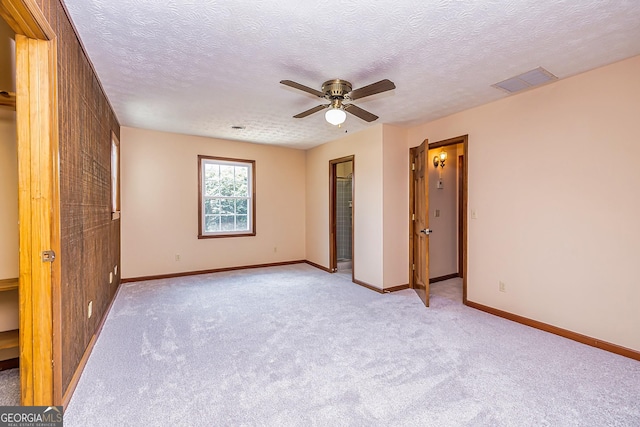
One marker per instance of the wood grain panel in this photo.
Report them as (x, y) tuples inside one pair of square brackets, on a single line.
[(89, 239)]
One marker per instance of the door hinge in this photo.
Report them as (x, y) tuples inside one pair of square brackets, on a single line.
[(413, 266), (413, 217), (48, 256), (413, 166)]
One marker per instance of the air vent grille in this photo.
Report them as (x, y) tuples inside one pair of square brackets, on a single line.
[(527, 80)]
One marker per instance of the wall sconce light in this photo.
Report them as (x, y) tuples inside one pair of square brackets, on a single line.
[(440, 159)]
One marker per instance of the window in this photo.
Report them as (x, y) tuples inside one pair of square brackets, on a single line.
[(227, 204), (115, 177)]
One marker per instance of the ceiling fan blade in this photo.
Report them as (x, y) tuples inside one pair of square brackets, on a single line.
[(302, 88), (359, 112), (372, 89), (311, 111)]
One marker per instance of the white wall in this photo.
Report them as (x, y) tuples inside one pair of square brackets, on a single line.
[(366, 146), (395, 186), (554, 176), (159, 175)]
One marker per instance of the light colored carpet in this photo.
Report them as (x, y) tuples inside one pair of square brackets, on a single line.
[(295, 346), (10, 387)]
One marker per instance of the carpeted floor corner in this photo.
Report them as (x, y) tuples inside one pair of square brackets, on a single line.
[(10, 387), (295, 346)]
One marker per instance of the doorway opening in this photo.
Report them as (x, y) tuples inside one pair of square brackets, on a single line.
[(341, 192), (438, 210)]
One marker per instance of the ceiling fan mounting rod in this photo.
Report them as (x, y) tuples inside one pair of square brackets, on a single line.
[(336, 88)]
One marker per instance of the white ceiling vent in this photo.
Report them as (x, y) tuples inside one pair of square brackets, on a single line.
[(535, 77)]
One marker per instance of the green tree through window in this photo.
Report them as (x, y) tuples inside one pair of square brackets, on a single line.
[(227, 205)]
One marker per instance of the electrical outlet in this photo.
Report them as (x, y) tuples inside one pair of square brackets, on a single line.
[(177, 257), (90, 310), (502, 287), (437, 213), (474, 214)]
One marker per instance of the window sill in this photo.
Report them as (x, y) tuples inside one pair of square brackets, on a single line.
[(218, 236)]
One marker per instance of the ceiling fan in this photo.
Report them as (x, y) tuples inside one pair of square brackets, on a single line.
[(336, 92)]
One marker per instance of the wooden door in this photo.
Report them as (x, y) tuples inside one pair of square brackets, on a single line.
[(419, 238)]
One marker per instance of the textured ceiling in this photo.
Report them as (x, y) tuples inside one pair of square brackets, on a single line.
[(201, 66)]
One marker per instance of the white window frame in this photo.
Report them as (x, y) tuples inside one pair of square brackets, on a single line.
[(202, 197)]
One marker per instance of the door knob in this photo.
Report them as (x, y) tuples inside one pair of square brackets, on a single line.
[(427, 231)]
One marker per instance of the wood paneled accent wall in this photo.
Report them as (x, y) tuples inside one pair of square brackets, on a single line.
[(90, 239)]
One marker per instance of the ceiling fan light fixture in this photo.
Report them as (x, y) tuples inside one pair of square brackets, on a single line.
[(335, 116)]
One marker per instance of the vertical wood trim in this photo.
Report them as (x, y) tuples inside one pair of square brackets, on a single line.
[(56, 241), (353, 219), (41, 172), (412, 212), (460, 215), (465, 218), (24, 218), (35, 172), (333, 239)]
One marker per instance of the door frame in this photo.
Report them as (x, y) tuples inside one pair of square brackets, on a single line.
[(38, 202), (333, 245), (463, 201)]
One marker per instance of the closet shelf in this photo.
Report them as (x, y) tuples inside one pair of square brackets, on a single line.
[(9, 339), (8, 284), (8, 99)]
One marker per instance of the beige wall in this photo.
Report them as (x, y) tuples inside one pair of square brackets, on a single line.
[(8, 224), (8, 190), (8, 196), (8, 161), (366, 146), (443, 243), (159, 178), (395, 187), (553, 177)]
